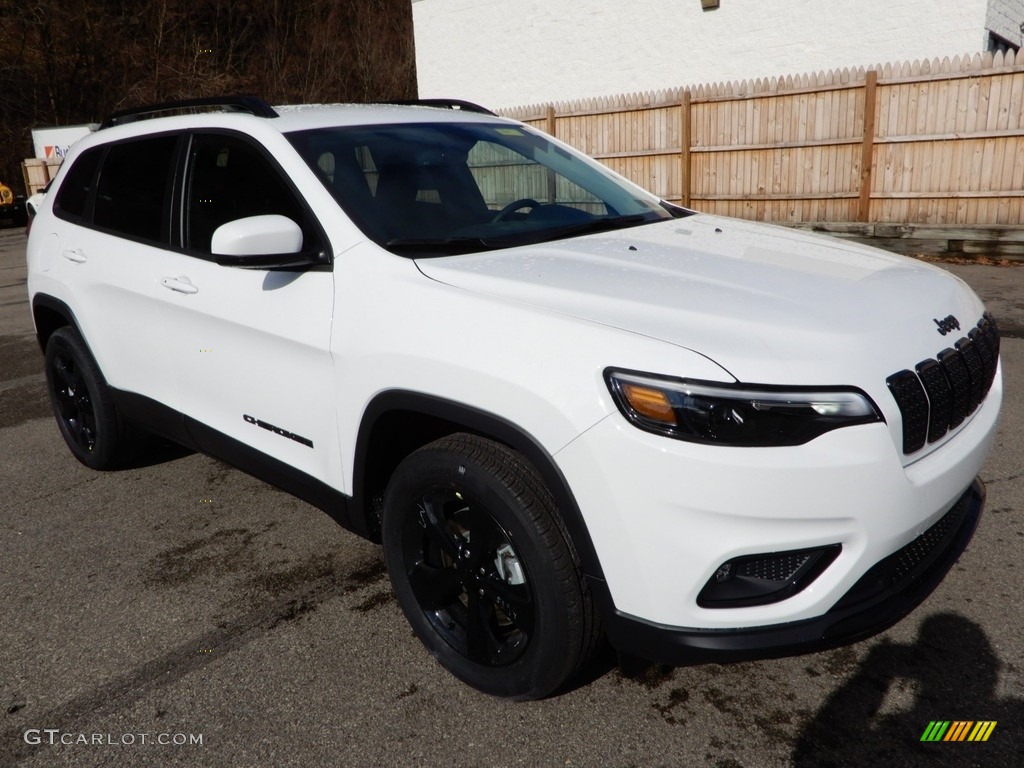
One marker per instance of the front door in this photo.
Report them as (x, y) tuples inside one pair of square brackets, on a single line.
[(250, 348)]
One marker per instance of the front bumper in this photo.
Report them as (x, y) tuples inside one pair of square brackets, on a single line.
[(664, 515), (882, 596)]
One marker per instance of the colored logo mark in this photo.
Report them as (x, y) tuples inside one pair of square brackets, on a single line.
[(958, 730)]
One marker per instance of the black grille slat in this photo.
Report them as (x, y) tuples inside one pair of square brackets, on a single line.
[(975, 369), (981, 344), (940, 398), (913, 404), (990, 328), (943, 392), (956, 372), (988, 339)]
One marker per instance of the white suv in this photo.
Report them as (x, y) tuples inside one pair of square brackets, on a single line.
[(569, 410)]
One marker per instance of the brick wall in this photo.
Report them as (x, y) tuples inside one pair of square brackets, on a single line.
[(1005, 18), (510, 52)]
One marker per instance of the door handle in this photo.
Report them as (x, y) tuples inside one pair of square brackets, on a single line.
[(74, 255), (180, 284)]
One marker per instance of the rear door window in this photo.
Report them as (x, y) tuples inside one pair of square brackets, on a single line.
[(134, 188), (75, 191)]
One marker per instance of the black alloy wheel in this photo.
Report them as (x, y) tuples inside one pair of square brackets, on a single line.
[(81, 402), (484, 569), (467, 578), (74, 403)]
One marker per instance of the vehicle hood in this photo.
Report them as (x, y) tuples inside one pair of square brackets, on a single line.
[(769, 304)]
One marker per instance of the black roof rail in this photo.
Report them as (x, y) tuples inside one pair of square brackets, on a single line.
[(457, 104), (248, 104)]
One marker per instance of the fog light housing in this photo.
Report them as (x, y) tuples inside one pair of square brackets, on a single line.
[(765, 578)]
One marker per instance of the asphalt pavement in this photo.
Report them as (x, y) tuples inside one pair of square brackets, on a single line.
[(185, 614)]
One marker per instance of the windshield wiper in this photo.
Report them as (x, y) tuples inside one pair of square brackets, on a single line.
[(677, 211), (446, 245), (592, 226), (450, 246)]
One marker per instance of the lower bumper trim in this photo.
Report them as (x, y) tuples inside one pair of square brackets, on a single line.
[(885, 594)]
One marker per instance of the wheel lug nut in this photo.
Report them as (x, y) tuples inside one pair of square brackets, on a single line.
[(482, 571), (480, 592)]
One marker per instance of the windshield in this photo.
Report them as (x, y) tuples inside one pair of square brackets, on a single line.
[(444, 188)]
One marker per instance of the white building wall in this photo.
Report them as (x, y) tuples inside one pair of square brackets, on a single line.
[(1006, 19), (507, 53)]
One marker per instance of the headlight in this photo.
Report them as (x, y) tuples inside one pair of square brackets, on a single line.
[(740, 415)]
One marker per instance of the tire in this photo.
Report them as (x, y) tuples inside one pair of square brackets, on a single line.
[(484, 569), (82, 403)]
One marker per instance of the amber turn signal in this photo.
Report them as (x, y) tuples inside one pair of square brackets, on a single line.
[(649, 403)]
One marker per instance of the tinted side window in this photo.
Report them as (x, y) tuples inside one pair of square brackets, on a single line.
[(231, 179), (134, 186), (74, 190)]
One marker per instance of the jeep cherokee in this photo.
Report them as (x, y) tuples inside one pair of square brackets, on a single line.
[(568, 410)]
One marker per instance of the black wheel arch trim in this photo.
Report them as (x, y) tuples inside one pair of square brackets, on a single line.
[(484, 424), (58, 307)]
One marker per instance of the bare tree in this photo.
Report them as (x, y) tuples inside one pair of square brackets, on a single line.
[(75, 61)]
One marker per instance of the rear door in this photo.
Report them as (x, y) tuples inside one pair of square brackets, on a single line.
[(116, 200)]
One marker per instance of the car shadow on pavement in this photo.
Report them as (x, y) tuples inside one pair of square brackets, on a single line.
[(153, 451), (881, 714)]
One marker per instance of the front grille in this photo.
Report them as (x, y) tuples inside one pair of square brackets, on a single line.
[(940, 393), (765, 578), (774, 568), (905, 561), (914, 561)]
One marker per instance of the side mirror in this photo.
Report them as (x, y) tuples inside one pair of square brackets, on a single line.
[(261, 242)]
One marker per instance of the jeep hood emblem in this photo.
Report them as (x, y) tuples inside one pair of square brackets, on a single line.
[(947, 324)]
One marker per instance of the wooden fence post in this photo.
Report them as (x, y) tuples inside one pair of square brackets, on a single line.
[(685, 140), (552, 179), (867, 155)]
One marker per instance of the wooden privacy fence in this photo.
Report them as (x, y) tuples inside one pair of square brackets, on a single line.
[(934, 142)]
